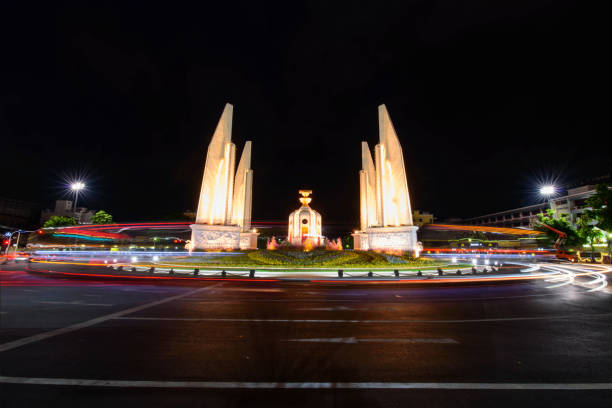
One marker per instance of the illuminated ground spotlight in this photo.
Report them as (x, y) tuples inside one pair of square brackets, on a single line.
[(134, 259), (156, 258), (454, 259), (486, 262), (115, 260), (474, 261)]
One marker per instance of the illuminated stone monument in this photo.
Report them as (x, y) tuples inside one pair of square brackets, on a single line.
[(386, 216), (305, 223), (223, 219)]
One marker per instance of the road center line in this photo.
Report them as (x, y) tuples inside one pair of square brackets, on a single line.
[(305, 385), (52, 333), (74, 302), (501, 319), (354, 340)]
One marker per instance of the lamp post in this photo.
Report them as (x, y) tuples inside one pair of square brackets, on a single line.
[(548, 191), (76, 187), (10, 239)]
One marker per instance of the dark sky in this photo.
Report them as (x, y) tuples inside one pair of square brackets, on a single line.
[(488, 98)]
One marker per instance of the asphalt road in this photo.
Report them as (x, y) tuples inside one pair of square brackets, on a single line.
[(67, 342)]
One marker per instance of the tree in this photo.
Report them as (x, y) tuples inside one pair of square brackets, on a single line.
[(601, 212), (102, 217), (59, 221), (560, 223), (589, 232), (601, 207), (348, 241)]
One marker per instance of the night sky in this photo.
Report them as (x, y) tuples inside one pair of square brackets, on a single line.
[(488, 99)]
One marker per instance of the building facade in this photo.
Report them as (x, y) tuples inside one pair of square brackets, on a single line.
[(18, 214), (63, 208), (569, 206), (422, 218)]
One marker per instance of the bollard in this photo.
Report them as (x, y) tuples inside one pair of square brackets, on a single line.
[(196, 272), (151, 270), (474, 270), (171, 272), (120, 268), (396, 273), (340, 273), (223, 274), (419, 273), (458, 271), (484, 270), (440, 272), (370, 274), (252, 273), (133, 269)]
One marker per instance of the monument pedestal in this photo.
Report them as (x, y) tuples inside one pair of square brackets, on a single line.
[(402, 238), (248, 240), (205, 236)]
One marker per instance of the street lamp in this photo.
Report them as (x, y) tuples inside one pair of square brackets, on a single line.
[(76, 187), (548, 191)]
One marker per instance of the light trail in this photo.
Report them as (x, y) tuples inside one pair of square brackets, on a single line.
[(569, 273)]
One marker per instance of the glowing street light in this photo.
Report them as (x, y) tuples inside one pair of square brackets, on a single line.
[(547, 190), (76, 187)]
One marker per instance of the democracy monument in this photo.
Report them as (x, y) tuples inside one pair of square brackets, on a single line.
[(223, 219), (386, 215)]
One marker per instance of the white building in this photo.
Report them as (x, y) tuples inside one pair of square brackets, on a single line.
[(63, 208), (570, 206)]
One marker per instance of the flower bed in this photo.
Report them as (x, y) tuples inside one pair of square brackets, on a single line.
[(318, 258)]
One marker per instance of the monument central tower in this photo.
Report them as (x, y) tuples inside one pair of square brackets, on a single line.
[(305, 223)]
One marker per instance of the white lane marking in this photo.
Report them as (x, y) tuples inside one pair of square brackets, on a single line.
[(392, 302), (74, 302), (42, 336), (353, 340), (250, 290), (331, 309), (500, 319), (306, 385)]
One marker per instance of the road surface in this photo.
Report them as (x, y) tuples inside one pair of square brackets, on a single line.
[(70, 342)]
